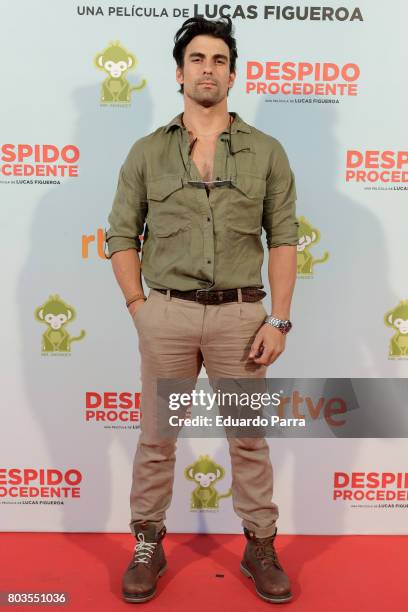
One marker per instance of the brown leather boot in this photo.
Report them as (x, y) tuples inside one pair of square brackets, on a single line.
[(147, 564), (261, 563)]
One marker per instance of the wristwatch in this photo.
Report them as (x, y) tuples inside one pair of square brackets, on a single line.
[(284, 326)]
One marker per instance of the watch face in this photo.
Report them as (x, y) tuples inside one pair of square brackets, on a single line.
[(286, 327)]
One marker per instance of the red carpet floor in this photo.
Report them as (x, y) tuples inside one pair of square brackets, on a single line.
[(328, 573)]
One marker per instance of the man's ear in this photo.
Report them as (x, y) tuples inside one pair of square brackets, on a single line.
[(179, 76), (232, 78)]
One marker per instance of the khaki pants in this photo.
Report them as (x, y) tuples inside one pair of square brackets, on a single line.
[(175, 337)]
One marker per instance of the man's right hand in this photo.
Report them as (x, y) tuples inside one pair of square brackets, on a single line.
[(133, 307)]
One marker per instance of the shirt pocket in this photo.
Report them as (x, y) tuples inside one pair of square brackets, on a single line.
[(167, 213), (245, 205)]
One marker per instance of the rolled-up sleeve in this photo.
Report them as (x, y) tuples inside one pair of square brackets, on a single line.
[(129, 209), (279, 207)]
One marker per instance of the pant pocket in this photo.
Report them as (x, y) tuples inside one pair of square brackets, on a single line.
[(252, 311), (140, 312)]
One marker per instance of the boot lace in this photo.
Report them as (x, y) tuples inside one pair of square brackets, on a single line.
[(143, 549), (266, 553)]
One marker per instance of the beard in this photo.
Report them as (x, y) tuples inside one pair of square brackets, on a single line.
[(205, 96)]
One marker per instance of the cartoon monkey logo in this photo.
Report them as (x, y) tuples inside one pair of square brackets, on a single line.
[(397, 318), (116, 61), (56, 313), (308, 236), (205, 473)]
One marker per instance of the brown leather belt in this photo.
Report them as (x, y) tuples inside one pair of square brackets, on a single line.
[(204, 296)]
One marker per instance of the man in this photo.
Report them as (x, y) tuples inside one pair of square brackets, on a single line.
[(205, 184)]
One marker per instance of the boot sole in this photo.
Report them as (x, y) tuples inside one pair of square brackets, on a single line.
[(142, 598), (270, 598)]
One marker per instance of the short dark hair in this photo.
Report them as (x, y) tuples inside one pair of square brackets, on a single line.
[(218, 28)]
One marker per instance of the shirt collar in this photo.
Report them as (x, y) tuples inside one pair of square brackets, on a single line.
[(238, 125)]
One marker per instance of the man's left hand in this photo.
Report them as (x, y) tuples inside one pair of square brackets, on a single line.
[(268, 344)]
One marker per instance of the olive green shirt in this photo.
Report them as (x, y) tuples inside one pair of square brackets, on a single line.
[(193, 240)]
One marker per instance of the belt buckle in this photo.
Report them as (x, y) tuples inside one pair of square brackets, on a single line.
[(197, 296)]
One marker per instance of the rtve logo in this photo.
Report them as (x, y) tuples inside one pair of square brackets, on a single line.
[(95, 244), (331, 409)]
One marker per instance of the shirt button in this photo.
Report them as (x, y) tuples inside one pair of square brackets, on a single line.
[(208, 218), (208, 260)]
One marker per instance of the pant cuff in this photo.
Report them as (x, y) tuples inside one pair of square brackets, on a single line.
[(159, 524), (260, 532)]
